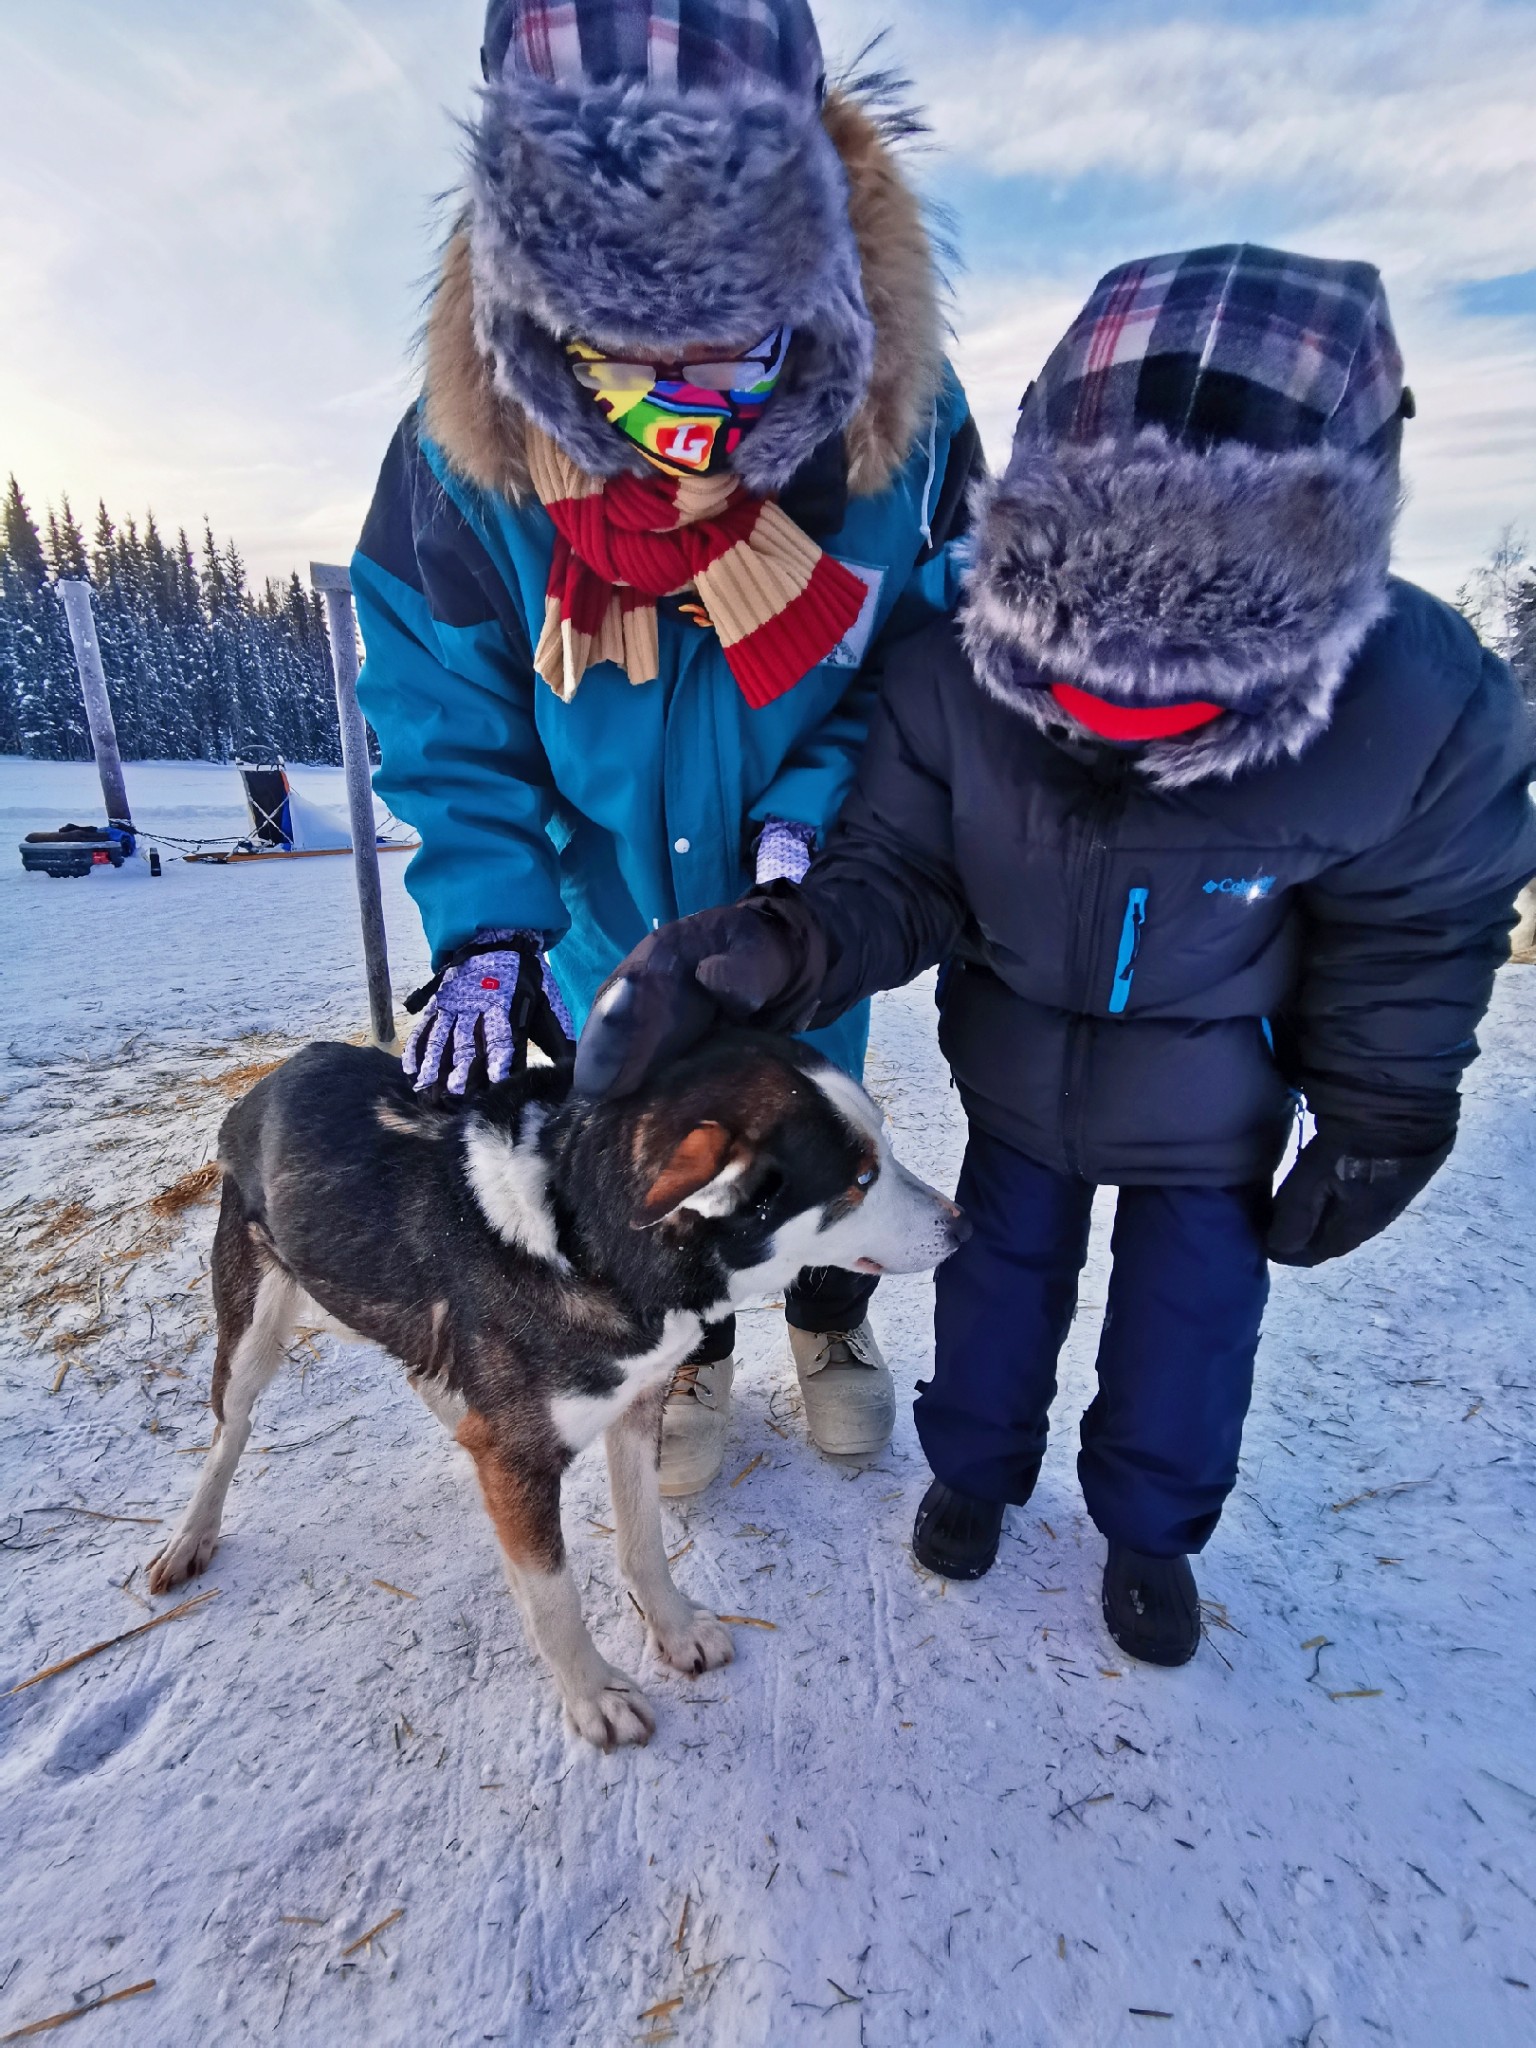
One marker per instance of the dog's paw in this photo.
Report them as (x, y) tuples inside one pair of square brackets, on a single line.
[(697, 1642), (616, 1716), (189, 1552)]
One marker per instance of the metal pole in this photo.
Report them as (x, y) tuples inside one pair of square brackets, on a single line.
[(76, 598), (335, 586)]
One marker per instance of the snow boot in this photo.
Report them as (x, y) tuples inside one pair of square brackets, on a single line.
[(850, 1398), (1151, 1606), (694, 1421), (955, 1534)]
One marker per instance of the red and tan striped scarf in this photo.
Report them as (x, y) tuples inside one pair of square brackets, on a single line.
[(778, 604)]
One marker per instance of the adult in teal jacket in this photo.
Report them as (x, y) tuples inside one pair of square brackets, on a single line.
[(688, 459)]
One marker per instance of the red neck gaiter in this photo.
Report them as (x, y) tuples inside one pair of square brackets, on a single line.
[(1127, 725)]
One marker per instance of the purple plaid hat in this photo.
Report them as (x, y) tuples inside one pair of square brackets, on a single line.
[(1235, 343), (1199, 503), (650, 174), (683, 44)]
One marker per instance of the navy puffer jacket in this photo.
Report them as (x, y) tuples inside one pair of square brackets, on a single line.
[(1141, 976)]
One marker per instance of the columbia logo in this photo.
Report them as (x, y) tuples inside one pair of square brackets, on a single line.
[(1251, 891)]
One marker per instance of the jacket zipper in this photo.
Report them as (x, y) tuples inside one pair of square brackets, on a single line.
[(1104, 811)]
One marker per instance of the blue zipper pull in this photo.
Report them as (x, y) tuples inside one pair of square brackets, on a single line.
[(1130, 948)]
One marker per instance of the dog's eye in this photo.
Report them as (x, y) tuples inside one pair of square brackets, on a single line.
[(866, 1179)]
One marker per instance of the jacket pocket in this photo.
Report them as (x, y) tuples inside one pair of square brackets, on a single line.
[(1132, 926)]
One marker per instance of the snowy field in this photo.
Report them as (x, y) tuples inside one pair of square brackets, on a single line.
[(910, 1812)]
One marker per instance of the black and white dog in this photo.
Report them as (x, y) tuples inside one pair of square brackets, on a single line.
[(542, 1265)]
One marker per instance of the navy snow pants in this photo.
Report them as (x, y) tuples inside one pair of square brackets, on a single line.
[(1160, 1440)]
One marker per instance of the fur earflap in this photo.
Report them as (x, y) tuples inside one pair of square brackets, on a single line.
[(640, 220), (1152, 573), (477, 381)]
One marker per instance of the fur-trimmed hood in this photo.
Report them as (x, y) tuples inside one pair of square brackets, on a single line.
[(491, 365), (1150, 573)]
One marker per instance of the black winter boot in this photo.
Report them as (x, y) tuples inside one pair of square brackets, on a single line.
[(1151, 1606), (955, 1534)]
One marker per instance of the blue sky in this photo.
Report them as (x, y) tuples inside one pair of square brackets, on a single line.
[(217, 224)]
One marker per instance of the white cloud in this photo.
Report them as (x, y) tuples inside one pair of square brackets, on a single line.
[(213, 232), (1407, 128), (215, 224), (1470, 456), (1403, 133)]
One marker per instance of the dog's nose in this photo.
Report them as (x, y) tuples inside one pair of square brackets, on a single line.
[(960, 1225)]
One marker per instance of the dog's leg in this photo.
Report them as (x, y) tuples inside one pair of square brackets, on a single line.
[(255, 1301), (429, 1368), (449, 1408), (688, 1638), (523, 1499)]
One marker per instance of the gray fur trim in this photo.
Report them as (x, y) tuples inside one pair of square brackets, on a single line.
[(1155, 574), (634, 219)]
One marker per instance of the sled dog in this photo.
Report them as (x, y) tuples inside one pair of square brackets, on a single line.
[(541, 1265)]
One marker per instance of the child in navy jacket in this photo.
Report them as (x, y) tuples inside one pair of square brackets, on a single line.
[(1206, 813)]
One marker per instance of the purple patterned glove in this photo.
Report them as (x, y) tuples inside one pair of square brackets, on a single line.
[(784, 851), (492, 997)]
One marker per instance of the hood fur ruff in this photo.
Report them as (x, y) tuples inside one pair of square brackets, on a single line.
[(868, 354), (1155, 574)]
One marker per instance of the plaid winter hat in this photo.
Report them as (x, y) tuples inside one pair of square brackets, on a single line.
[(681, 43), (1199, 505), (1234, 343), (648, 175)]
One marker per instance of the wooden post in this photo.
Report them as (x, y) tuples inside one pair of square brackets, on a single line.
[(76, 599), (335, 587)]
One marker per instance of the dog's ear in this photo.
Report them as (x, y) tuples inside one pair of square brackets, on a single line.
[(698, 1158)]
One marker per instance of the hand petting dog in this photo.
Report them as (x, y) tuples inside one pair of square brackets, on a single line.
[(480, 1013)]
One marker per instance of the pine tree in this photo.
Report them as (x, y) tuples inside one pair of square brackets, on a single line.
[(23, 545), (131, 577), (159, 573), (185, 581), (214, 586), (66, 546), (70, 558), (103, 558), (234, 577), (40, 708)]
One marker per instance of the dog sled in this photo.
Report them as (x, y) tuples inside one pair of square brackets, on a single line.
[(287, 826)]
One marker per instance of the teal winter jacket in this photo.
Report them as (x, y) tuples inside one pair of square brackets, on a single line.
[(592, 822)]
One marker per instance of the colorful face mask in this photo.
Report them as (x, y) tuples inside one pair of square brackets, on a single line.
[(687, 418)]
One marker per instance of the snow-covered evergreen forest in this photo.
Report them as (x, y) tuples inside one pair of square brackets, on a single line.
[(200, 665), (203, 667)]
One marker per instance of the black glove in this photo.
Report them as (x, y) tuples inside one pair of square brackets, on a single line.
[(1336, 1197), (482, 1008), (759, 961)]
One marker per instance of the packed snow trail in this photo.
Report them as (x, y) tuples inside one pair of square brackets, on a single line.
[(909, 1812)]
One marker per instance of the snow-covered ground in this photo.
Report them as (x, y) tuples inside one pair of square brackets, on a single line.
[(909, 1812)]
